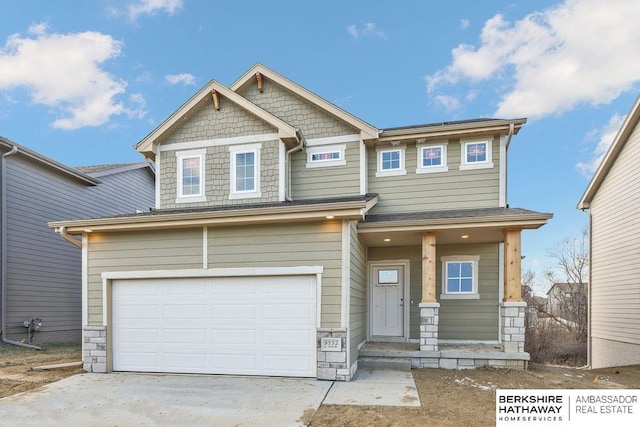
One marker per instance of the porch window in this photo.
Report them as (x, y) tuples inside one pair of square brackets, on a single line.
[(476, 155), (190, 168), (432, 158), (460, 277), (245, 171), (391, 162)]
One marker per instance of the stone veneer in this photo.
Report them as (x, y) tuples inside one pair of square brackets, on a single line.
[(333, 365), (512, 314), (94, 348), (429, 315)]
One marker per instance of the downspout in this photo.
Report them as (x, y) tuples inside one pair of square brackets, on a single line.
[(66, 236), (3, 261), (512, 129), (295, 149)]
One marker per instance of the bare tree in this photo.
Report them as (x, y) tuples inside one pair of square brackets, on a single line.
[(568, 284)]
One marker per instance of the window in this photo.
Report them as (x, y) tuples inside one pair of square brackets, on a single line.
[(460, 277), (476, 155), (326, 156), (432, 158), (245, 171), (391, 162), (190, 166)]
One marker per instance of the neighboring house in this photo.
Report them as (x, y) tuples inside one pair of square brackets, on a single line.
[(41, 274), (289, 233), (567, 300), (613, 201)]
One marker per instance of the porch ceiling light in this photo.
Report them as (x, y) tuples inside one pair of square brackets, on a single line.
[(387, 239), (329, 216), (464, 236)]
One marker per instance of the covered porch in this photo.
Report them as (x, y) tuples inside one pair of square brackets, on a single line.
[(458, 303)]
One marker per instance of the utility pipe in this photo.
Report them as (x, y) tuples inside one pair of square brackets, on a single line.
[(3, 291), (295, 149)]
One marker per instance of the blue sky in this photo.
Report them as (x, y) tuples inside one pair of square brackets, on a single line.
[(82, 82)]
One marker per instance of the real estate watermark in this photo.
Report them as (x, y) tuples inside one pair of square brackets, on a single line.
[(567, 407)]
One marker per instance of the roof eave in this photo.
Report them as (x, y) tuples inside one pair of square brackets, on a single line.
[(455, 129)]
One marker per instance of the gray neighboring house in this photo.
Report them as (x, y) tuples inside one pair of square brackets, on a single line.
[(41, 273), (613, 201)]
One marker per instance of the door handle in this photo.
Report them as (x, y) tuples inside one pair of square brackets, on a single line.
[(401, 302)]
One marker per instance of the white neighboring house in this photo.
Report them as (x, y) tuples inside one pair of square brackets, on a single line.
[(613, 202)]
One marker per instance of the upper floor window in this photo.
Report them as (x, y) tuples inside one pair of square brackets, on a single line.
[(333, 155), (190, 168), (432, 158), (476, 155), (460, 277), (391, 162), (245, 171)]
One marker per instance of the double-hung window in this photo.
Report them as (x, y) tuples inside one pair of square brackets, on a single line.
[(391, 161), (476, 154), (460, 277), (245, 171), (190, 172), (432, 158)]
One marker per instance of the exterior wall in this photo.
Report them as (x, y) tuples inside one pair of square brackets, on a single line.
[(217, 177), (44, 271), (313, 121), (615, 243), (473, 320), (329, 181), (286, 245), (358, 294), (455, 189)]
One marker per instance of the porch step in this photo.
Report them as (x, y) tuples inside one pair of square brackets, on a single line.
[(399, 363)]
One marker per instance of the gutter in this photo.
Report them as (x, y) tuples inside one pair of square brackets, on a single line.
[(3, 261), (295, 149), (66, 236)]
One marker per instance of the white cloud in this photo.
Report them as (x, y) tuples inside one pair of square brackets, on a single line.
[(465, 23), (64, 71), (577, 52), (449, 103), (151, 7), (606, 136), (184, 78), (368, 29)]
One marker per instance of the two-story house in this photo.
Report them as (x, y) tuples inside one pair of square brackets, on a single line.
[(289, 233)]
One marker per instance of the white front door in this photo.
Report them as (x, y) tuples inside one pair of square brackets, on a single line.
[(387, 301)]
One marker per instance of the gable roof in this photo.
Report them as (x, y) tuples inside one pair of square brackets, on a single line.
[(367, 131), (148, 145), (629, 124), (47, 162), (112, 169)]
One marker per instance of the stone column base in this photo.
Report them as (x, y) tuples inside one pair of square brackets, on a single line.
[(429, 314), (512, 332), (94, 348), (332, 354)]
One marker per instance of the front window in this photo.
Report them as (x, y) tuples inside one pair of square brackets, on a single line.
[(245, 171), (432, 158), (190, 176), (460, 277), (476, 155), (391, 162)]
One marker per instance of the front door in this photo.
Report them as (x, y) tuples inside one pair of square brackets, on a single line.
[(387, 301)]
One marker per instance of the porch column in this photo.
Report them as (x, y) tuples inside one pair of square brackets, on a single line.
[(429, 306), (512, 309)]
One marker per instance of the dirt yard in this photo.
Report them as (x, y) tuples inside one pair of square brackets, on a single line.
[(16, 362), (449, 398)]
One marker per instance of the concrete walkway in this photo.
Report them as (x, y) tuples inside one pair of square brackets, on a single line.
[(376, 386)]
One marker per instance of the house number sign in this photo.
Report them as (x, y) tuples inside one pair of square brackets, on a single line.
[(331, 344)]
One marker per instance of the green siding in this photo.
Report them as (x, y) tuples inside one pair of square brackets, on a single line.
[(329, 181), (358, 293), (135, 251), (288, 245), (455, 189)]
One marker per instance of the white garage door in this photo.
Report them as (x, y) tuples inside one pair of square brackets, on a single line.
[(239, 325)]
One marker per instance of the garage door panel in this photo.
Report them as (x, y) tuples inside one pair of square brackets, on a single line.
[(244, 326)]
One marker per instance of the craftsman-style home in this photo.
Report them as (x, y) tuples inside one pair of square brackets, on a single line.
[(291, 238)]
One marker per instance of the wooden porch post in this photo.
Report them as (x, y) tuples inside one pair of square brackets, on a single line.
[(428, 267), (512, 267)]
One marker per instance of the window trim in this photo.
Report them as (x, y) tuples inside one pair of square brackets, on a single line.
[(474, 276), (391, 172), (191, 154), (340, 149), (444, 167), (243, 149), (486, 164)]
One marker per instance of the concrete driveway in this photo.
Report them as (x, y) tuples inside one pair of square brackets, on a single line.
[(143, 399)]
